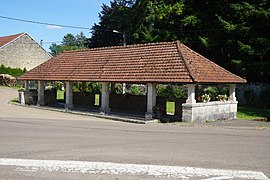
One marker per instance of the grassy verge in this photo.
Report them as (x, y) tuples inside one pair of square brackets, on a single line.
[(249, 113), (170, 107), (60, 95), (13, 87)]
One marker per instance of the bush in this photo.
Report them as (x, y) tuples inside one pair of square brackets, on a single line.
[(171, 92), (58, 85), (211, 91), (118, 88), (16, 72), (135, 90), (224, 91), (179, 92), (94, 87)]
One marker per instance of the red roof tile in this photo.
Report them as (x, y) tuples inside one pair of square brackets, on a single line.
[(167, 62), (6, 39)]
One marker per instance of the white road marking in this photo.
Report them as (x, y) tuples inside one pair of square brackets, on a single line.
[(219, 178), (175, 172)]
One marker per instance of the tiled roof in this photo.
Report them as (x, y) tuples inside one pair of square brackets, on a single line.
[(166, 62), (6, 39)]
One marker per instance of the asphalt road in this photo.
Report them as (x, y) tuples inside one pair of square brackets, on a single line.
[(35, 134)]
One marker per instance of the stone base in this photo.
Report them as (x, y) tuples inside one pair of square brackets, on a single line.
[(149, 116), (41, 103), (105, 110), (211, 111), (69, 106)]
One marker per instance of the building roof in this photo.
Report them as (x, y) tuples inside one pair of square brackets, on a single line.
[(165, 62), (7, 39)]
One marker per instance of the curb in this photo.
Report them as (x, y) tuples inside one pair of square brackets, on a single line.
[(86, 113)]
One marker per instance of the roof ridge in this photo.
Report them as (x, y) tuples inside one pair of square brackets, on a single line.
[(185, 62), (211, 62), (18, 34), (13, 38), (120, 47)]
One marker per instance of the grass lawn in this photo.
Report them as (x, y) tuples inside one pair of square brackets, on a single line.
[(13, 87), (60, 95), (170, 107), (249, 113), (97, 96)]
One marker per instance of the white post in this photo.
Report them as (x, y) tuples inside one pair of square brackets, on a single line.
[(232, 96), (26, 85), (40, 101), (151, 100), (124, 88), (191, 94), (105, 97), (69, 95)]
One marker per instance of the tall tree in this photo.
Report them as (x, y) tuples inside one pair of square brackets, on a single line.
[(231, 33), (114, 22), (69, 42)]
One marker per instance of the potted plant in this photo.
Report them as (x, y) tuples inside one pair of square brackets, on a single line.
[(222, 97), (205, 98)]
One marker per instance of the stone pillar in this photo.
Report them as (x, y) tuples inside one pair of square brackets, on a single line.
[(69, 95), (151, 100), (41, 101), (124, 88), (105, 96), (232, 96), (191, 94), (26, 85), (83, 86)]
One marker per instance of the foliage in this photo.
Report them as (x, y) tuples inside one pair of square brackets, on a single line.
[(69, 42), (16, 72), (265, 96), (118, 88), (94, 87), (59, 85), (135, 90), (224, 91), (211, 91), (234, 34), (171, 92), (55, 49), (249, 96)]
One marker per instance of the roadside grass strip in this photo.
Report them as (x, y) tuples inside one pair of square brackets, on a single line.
[(159, 171)]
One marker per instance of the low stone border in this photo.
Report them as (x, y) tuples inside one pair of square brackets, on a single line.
[(128, 119)]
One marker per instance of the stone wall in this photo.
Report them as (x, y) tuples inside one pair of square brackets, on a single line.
[(83, 99), (30, 97), (127, 103), (216, 110), (24, 52)]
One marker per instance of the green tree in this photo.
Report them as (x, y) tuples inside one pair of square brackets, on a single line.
[(234, 34), (55, 49), (69, 42), (115, 17)]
